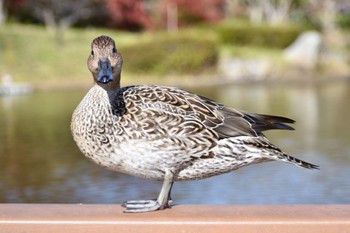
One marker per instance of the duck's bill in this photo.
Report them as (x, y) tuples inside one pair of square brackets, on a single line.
[(105, 73)]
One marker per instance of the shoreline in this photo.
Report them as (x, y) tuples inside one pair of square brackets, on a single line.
[(194, 82)]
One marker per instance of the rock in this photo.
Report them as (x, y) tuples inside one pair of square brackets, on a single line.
[(9, 87), (305, 50), (242, 68)]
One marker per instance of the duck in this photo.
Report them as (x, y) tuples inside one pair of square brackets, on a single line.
[(166, 133)]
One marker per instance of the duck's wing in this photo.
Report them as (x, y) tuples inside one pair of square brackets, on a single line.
[(224, 121)]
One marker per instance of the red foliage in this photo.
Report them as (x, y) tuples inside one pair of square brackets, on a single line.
[(17, 2), (198, 10), (14, 6), (127, 14)]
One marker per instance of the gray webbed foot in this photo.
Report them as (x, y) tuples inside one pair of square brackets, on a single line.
[(140, 206)]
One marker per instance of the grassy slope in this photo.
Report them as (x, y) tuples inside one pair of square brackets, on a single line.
[(30, 54)]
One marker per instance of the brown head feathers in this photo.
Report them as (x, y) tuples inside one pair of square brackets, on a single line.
[(103, 41)]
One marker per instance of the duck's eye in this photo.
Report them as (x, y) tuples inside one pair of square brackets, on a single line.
[(92, 52), (114, 50)]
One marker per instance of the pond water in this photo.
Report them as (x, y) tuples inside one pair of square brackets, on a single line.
[(40, 163)]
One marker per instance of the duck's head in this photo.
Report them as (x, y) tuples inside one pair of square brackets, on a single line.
[(105, 62)]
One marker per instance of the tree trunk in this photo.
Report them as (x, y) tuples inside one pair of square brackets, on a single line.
[(49, 19), (172, 21), (62, 26), (3, 14)]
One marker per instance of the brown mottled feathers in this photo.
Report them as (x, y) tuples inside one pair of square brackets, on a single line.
[(224, 121)]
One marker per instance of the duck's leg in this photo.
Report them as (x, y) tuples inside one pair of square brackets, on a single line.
[(163, 201), (170, 200)]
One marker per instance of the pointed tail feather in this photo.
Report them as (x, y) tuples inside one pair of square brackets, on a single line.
[(278, 154), (300, 162)]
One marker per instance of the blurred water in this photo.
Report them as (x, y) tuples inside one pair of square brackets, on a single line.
[(39, 162)]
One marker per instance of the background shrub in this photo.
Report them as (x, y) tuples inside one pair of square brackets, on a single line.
[(245, 33), (171, 54), (343, 20)]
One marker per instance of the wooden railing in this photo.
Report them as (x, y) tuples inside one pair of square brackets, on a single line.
[(78, 218)]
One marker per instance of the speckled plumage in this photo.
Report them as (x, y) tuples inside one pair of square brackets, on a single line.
[(164, 133)]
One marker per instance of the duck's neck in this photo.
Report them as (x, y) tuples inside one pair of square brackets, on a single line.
[(116, 100), (113, 91), (112, 87), (112, 95)]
